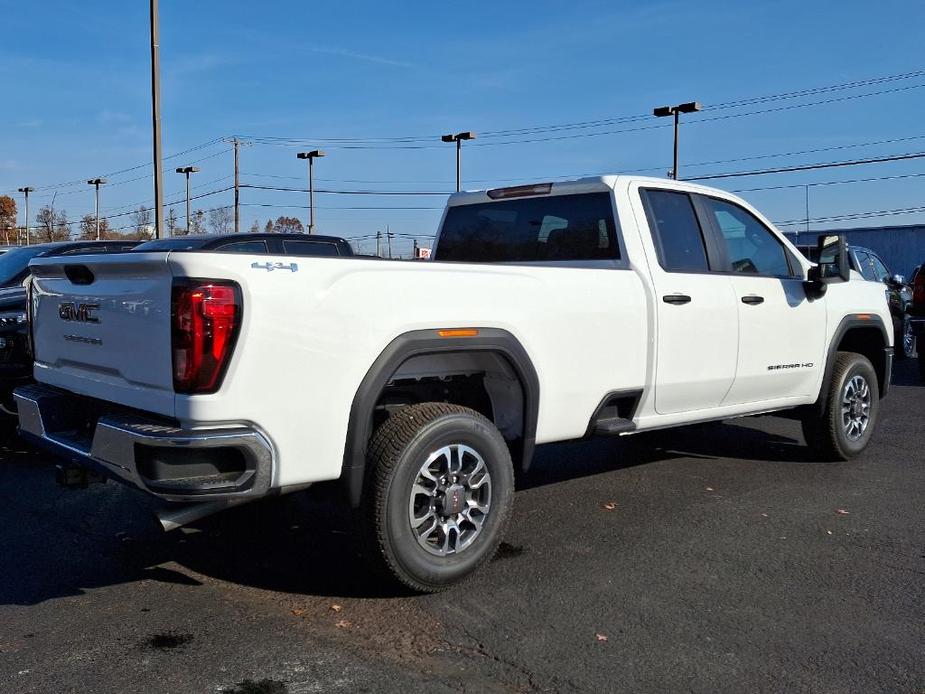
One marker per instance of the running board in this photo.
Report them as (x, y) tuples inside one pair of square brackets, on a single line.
[(613, 426)]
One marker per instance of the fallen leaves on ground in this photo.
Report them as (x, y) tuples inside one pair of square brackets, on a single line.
[(336, 608), (601, 637), (610, 505), (343, 624), (298, 612), (841, 512)]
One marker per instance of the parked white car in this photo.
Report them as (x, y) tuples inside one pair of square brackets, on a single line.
[(602, 306)]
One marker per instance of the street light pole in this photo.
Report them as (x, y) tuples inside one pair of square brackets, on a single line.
[(187, 170), (156, 121), (311, 156), (97, 182), (25, 191), (676, 111), (458, 138)]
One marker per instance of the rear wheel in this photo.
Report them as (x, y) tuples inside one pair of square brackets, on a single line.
[(439, 494), (851, 406)]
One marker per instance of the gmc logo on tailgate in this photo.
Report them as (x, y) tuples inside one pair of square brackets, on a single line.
[(80, 313)]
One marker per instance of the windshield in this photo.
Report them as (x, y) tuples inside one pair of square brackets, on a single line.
[(14, 262)]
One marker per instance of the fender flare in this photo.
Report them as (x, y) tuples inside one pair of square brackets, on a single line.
[(416, 343), (850, 322)]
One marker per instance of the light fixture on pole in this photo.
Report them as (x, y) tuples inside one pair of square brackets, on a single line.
[(664, 111), (97, 182), (458, 139), (311, 156), (187, 170), (25, 191)]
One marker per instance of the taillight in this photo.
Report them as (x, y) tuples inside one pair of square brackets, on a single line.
[(918, 288), (205, 317)]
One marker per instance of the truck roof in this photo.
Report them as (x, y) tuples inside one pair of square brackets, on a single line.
[(587, 184)]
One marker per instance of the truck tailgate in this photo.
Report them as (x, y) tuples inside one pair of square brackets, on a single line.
[(101, 327)]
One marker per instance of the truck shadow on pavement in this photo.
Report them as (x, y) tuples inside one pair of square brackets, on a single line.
[(59, 542)]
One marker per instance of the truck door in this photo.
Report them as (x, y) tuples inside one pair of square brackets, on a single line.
[(695, 308), (781, 332)]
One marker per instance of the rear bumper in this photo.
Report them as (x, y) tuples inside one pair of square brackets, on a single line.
[(156, 456)]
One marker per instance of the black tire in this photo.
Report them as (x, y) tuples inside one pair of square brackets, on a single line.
[(398, 451), (828, 434), (904, 343)]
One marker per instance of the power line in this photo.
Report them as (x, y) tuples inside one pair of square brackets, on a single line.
[(345, 192), (828, 183), (809, 167), (854, 215)]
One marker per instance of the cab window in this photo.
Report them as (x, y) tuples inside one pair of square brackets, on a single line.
[(244, 247), (752, 249), (676, 231)]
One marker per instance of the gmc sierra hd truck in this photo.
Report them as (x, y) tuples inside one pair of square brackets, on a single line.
[(601, 306)]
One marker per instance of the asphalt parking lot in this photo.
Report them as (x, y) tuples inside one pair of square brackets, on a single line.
[(712, 558)]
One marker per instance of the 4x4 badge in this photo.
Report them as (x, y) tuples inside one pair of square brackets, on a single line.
[(270, 267)]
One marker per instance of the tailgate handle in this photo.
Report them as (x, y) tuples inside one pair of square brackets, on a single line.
[(79, 274)]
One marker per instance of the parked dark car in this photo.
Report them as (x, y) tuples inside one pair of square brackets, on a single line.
[(898, 294), (917, 314), (272, 244), (15, 362)]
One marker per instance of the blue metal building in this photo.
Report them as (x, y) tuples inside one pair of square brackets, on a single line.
[(900, 247)]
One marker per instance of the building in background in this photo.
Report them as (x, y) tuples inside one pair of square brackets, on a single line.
[(902, 248)]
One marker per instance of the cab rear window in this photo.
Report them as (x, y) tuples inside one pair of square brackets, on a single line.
[(551, 228)]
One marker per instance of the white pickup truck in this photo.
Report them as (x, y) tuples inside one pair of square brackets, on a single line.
[(602, 306)]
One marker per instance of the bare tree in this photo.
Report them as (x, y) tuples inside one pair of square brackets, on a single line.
[(173, 226), (220, 220), (88, 228), (197, 223), (51, 225), (141, 220), (268, 229), (255, 227)]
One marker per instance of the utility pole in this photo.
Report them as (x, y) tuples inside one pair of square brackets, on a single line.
[(97, 182), (458, 138), (388, 236), (25, 191), (378, 246), (414, 248), (797, 240), (187, 170), (663, 111), (156, 121), (311, 156), (237, 216)]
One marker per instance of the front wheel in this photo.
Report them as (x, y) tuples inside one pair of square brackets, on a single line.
[(438, 496), (851, 406)]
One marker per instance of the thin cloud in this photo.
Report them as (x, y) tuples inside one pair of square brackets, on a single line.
[(361, 56)]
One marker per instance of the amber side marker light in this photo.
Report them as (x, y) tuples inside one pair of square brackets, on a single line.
[(864, 316), (458, 332)]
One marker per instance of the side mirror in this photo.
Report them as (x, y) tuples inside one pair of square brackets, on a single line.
[(833, 265), (898, 280)]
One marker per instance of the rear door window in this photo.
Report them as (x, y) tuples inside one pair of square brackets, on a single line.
[(244, 247), (309, 248), (676, 231), (551, 228)]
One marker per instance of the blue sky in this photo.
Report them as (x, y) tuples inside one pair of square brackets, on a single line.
[(76, 98)]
